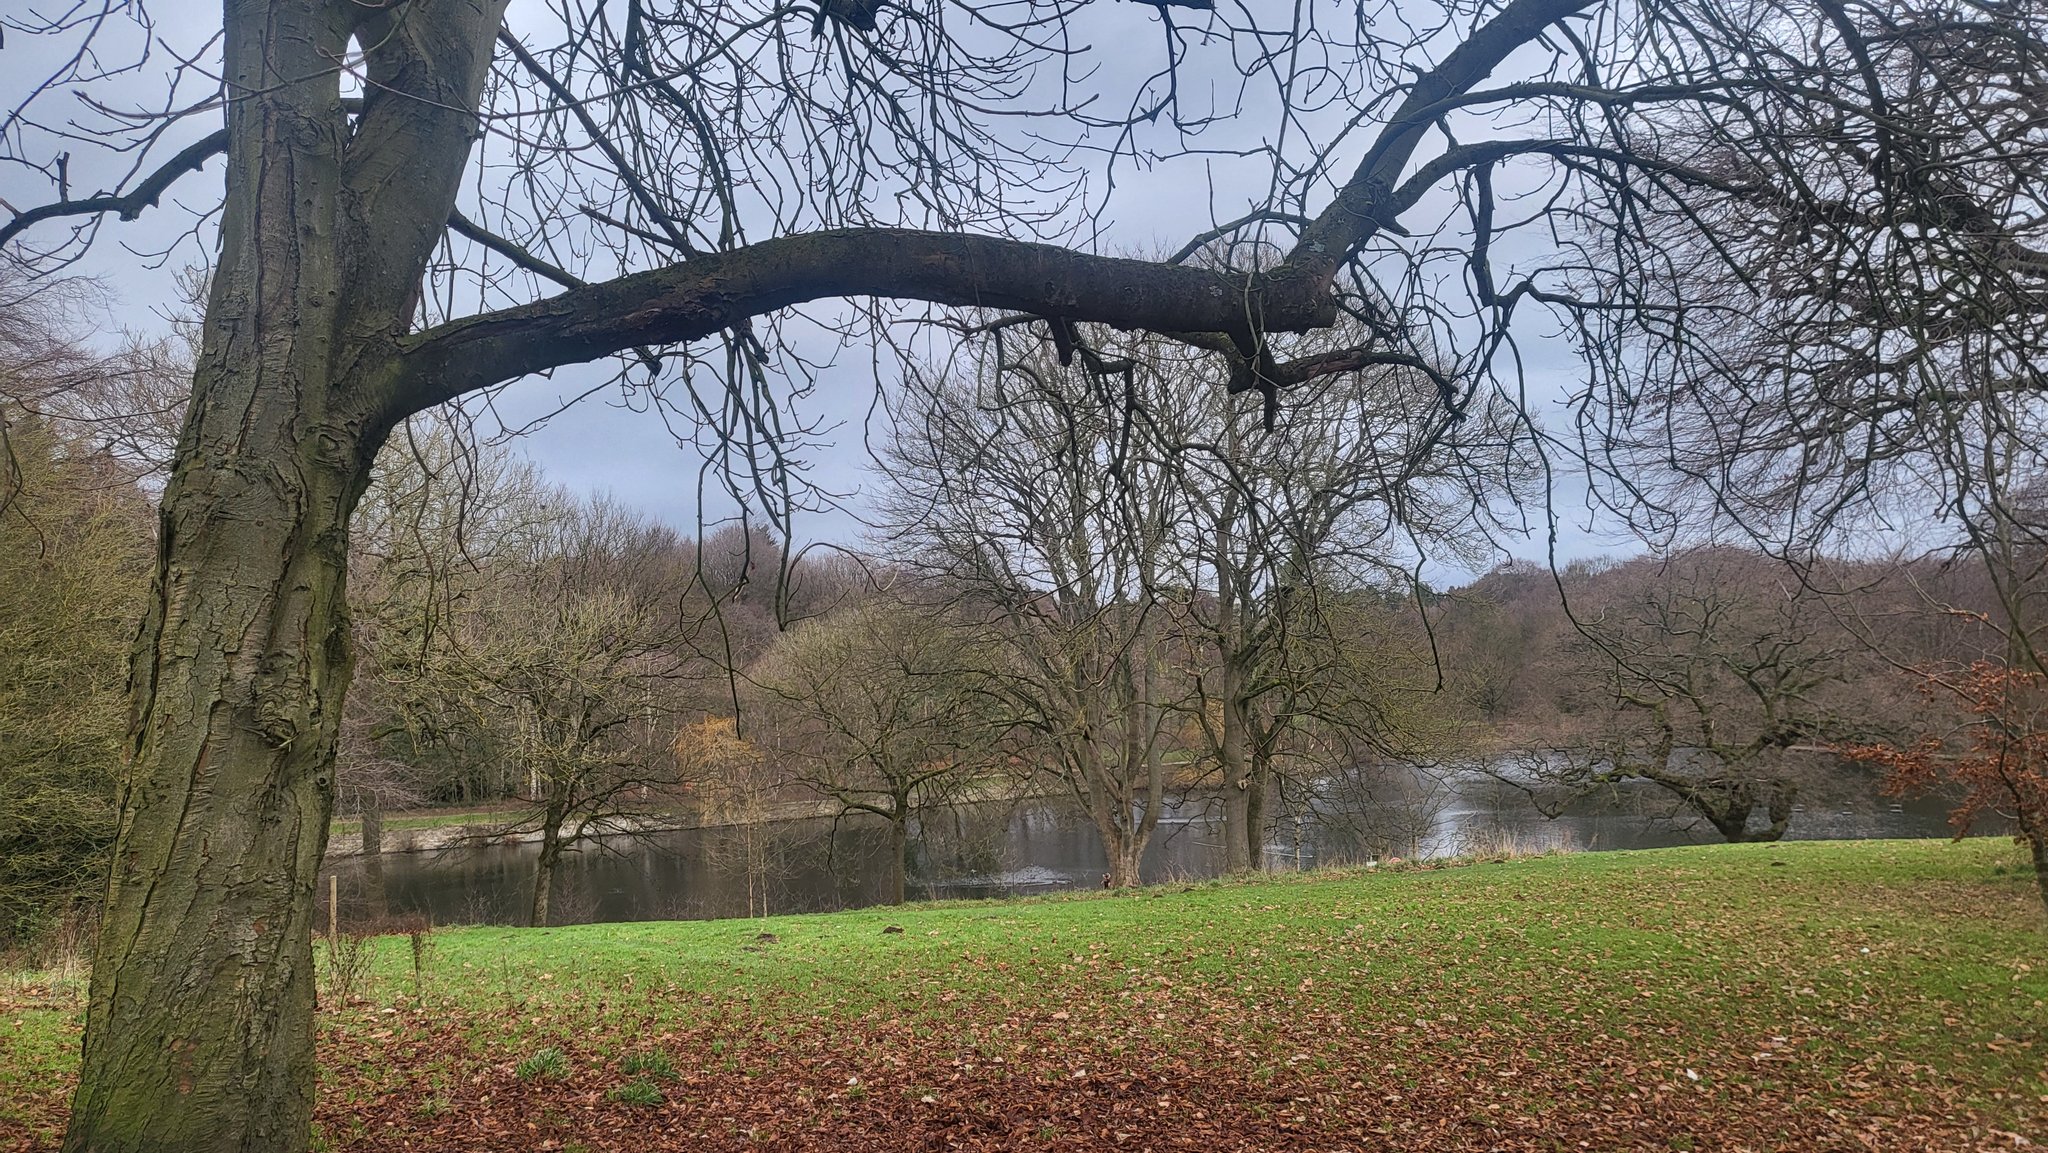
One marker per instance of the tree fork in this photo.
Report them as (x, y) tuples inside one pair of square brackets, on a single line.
[(199, 1032)]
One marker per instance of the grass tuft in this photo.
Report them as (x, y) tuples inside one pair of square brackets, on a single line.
[(649, 1063), (547, 1064), (637, 1093)]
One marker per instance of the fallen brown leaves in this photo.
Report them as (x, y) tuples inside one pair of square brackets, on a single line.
[(1082, 1078), (861, 1085)]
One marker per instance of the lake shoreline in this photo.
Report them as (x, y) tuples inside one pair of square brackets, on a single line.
[(455, 833), (478, 834)]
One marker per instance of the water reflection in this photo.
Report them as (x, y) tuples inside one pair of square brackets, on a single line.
[(993, 850)]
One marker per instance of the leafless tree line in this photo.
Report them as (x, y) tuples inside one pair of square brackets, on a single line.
[(1716, 674)]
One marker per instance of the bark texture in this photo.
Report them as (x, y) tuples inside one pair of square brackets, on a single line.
[(2039, 845), (199, 1031)]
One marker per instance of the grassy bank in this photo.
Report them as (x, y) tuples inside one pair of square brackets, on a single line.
[(1880, 995), (416, 819)]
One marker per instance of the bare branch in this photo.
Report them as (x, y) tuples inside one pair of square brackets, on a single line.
[(127, 205), (464, 227)]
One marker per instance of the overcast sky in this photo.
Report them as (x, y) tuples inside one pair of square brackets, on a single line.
[(601, 444)]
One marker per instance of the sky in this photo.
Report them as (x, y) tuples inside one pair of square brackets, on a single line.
[(602, 445)]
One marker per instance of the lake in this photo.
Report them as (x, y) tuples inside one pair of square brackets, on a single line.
[(1040, 844)]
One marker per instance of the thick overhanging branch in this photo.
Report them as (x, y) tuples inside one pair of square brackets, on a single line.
[(525, 258), (714, 291)]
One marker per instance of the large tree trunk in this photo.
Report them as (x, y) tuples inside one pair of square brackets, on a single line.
[(2035, 833), (2038, 842), (1256, 793), (1232, 619), (1124, 859), (1125, 831), (200, 1022), (1124, 836), (371, 816), (1239, 834), (375, 894), (200, 1018), (1727, 805), (199, 1027), (1778, 809)]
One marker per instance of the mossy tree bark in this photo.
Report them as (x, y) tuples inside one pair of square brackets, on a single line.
[(199, 1028)]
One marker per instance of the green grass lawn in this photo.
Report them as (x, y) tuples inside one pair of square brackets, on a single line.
[(1796, 996)]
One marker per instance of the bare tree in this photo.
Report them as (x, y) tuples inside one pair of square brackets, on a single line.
[(1711, 676), (1084, 491), (437, 532), (1361, 474), (878, 707), (575, 657), (1043, 503), (506, 621), (1863, 300), (631, 163), (126, 403)]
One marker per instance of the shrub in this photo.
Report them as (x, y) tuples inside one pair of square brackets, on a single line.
[(1997, 758)]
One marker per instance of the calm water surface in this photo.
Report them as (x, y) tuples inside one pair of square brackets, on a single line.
[(1039, 845)]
